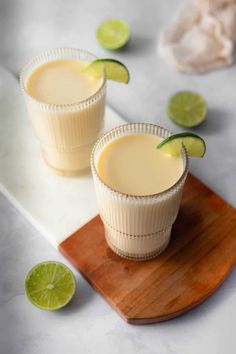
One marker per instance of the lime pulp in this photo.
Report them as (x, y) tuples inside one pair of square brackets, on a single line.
[(113, 34), (113, 69), (50, 285), (187, 109), (193, 143)]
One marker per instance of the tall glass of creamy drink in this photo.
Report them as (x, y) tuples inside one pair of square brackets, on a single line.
[(138, 189), (66, 107)]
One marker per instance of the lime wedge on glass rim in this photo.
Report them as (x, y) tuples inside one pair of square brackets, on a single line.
[(113, 34), (187, 109), (114, 70), (193, 143), (50, 285)]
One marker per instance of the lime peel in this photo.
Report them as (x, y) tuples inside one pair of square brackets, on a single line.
[(113, 69), (193, 143)]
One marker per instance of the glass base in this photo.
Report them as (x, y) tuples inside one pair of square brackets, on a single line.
[(139, 248), (135, 257), (68, 163), (68, 173)]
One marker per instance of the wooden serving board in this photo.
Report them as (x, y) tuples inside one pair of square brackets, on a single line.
[(200, 256)]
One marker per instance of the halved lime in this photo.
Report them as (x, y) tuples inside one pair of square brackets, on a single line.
[(187, 109), (114, 70), (50, 285), (193, 143), (113, 34)]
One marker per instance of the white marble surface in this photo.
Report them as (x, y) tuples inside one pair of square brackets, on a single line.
[(56, 206), (88, 325)]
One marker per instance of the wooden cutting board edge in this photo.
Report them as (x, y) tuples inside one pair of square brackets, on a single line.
[(140, 321)]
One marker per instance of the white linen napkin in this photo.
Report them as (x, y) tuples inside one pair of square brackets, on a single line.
[(202, 36)]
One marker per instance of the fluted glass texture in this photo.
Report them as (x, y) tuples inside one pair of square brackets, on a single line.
[(137, 227), (66, 132)]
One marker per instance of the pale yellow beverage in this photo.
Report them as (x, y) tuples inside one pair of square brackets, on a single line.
[(62, 82), (66, 107), (138, 189), (133, 165)]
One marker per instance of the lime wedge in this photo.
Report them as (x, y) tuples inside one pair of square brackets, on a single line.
[(114, 70), (193, 143), (113, 34), (187, 109), (50, 285)]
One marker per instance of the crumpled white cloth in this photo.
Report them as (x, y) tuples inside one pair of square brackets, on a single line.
[(202, 37)]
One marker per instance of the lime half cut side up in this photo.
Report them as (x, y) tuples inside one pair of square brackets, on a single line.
[(193, 143), (187, 109), (113, 34), (50, 285), (113, 69)]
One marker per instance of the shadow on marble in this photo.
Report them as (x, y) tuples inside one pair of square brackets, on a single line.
[(83, 295), (215, 122), (137, 44), (16, 74)]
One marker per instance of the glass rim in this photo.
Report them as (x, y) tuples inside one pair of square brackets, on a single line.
[(57, 106), (133, 196)]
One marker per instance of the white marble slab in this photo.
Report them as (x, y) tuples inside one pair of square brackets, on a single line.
[(56, 206)]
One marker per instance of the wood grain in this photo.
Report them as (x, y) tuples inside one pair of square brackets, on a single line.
[(200, 256)]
